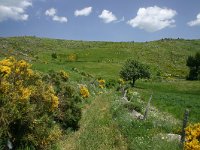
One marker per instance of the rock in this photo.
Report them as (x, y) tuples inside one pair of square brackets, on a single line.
[(169, 137), (173, 137), (136, 115)]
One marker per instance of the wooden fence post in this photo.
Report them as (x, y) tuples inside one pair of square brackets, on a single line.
[(125, 92), (185, 120), (147, 109)]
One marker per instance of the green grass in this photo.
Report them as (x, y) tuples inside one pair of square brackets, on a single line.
[(144, 134), (174, 97), (106, 125), (98, 131)]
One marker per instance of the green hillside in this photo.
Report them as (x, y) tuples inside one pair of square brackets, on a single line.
[(103, 59)]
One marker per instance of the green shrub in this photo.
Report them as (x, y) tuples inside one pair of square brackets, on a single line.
[(193, 62), (68, 113), (84, 74), (111, 83), (130, 106), (54, 55)]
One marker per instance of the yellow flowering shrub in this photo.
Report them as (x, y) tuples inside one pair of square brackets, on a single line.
[(25, 93), (7, 62), (101, 83), (55, 101), (22, 64), (17, 84), (84, 91), (192, 137), (26, 105), (72, 57), (5, 70), (64, 75)]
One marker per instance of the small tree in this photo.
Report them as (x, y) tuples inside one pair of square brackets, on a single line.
[(133, 70), (54, 55), (193, 62)]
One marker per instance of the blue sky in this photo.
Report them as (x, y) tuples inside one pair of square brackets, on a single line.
[(101, 20)]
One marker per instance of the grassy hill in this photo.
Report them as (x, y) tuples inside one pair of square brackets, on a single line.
[(106, 123), (103, 59)]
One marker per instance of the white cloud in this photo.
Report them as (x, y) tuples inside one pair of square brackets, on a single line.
[(16, 3), (195, 22), (153, 19), (59, 19), (25, 4), (52, 13), (107, 16), (14, 9), (83, 12)]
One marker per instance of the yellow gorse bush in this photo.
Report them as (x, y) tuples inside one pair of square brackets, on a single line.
[(72, 57), (16, 83), (192, 137), (27, 102), (25, 94), (101, 83), (7, 62), (5, 70), (55, 101), (84, 91), (64, 75)]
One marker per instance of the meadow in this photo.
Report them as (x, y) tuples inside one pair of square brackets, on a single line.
[(105, 122)]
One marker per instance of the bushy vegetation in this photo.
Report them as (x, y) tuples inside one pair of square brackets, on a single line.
[(134, 70), (193, 62), (33, 110), (101, 83), (68, 113), (72, 57), (192, 137), (26, 106), (111, 83), (84, 91), (54, 55)]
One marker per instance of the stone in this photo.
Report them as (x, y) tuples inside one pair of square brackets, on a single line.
[(136, 115), (173, 137)]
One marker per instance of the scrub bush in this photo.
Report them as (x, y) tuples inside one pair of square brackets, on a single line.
[(35, 109), (27, 105), (68, 113)]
